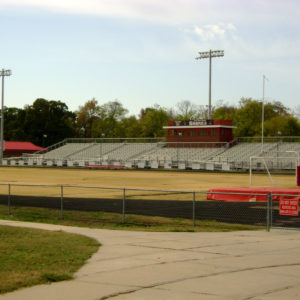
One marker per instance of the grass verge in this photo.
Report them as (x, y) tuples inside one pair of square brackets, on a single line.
[(30, 256), (113, 221)]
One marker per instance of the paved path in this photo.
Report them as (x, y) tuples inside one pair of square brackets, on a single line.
[(147, 265)]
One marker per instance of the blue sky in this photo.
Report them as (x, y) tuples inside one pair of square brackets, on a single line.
[(142, 52)]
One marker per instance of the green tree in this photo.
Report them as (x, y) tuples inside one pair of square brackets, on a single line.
[(285, 125), (247, 117), (48, 122), (274, 126), (108, 123), (130, 127), (14, 124), (224, 112), (152, 121), (87, 115), (292, 128)]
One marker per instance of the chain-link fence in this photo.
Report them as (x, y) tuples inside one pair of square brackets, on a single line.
[(139, 206)]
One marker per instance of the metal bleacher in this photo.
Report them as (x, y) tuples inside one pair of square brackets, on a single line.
[(132, 151), (242, 152), (94, 151), (156, 154), (65, 150), (183, 154), (286, 155), (275, 154)]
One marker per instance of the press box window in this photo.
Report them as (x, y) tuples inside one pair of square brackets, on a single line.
[(202, 131), (193, 132), (213, 131), (182, 132)]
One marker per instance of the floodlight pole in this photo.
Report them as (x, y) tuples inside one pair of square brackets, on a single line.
[(263, 114), (209, 54), (209, 88), (3, 73)]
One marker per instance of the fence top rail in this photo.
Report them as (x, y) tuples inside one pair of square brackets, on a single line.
[(129, 189), (133, 189), (25, 184), (98, 187)]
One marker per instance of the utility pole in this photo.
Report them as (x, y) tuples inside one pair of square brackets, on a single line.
[(210, 54), (3, 73)]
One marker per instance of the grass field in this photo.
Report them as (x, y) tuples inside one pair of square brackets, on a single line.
[(161, 180), (138, 179), (30, 256), (113, 221), (33, 267), (193, 181)]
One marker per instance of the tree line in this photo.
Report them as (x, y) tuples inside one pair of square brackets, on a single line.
[(47, 122)]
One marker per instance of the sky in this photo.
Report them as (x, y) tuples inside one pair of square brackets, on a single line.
[(142, 52)]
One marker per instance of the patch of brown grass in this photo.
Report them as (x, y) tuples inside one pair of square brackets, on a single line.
[(162, 180)]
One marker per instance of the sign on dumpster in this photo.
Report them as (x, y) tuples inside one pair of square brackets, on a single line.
[(288, 207)]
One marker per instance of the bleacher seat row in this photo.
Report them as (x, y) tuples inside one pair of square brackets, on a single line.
[(156, 155)]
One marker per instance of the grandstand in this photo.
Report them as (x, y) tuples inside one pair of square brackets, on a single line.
[(240, 154), (159, 153), (197, 145)]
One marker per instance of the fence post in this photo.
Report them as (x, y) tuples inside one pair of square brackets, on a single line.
[(271, 210), (269, 205), (61, 201), (8, 199), (194, 200), (123, 207)]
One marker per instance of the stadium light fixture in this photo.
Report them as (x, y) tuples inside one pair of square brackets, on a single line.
[(210, 54), (3, 73)]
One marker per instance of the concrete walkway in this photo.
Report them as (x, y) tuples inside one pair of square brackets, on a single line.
[(147, 265)]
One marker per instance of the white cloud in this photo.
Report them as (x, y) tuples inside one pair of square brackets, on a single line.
[(179, 12), (212, 32), (167, 11), (208, 23), (231, 26)]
